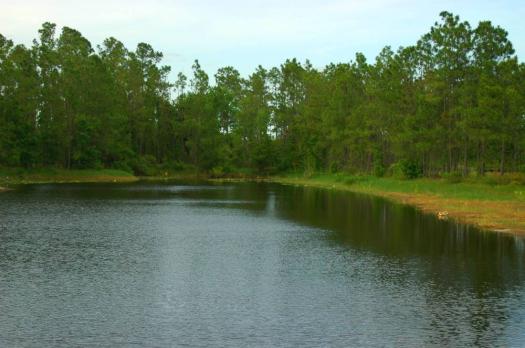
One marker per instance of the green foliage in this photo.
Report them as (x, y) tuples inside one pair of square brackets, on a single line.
[(453, 177), (405, 169), (453, 102), (395, 171), (494, 179), (379, 168), (144, 166), (217, 172), (411, 169)]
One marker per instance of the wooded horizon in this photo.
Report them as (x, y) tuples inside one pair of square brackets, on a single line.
[(454, 102)]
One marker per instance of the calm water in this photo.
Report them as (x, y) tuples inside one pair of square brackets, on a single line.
[(245, 265)]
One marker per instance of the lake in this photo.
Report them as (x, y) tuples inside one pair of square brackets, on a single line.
[(248, 265)]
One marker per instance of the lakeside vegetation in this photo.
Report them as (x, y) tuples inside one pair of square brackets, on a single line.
[(454, 102), (451, 107), (11, 176), (496, 203)]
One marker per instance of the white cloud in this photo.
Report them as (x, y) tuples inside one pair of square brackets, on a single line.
[(247, 33)]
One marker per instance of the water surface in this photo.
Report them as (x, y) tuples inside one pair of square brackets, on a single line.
[(245, 265)]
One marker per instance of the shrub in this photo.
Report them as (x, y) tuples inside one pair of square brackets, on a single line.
[(395, 171), (379, 170), (122, 165), (217, 172), (349, 181), (411, 169), (144, 166), (453, 177), (505, 179), (405, 169), (354, 179), (516, 178)]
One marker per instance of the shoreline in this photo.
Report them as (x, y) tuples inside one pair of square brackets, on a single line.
[(8, 181), (500, 216), (497, 209)]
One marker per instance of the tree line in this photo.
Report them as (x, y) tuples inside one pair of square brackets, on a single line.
[(452, 103)]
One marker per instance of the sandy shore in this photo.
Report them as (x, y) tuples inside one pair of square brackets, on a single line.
[(502, 216)]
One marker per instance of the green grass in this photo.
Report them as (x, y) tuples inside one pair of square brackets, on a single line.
[(471, 189), (16, 176), (493, 207), (491, 202)]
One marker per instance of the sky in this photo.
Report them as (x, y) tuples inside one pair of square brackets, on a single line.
[(245, 34)]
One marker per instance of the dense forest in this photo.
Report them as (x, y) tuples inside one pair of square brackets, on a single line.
[(452, 103)]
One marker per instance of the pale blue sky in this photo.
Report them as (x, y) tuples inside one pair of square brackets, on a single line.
[(245, 34)]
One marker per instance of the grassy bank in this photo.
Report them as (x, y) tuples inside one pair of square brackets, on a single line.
[(15, 176), (10, 177), (490, 203), (489, 206)]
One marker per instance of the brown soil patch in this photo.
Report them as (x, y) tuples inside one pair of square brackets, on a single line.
[(501, 216)]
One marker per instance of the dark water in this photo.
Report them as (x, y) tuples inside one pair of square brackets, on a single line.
[(246, 265)]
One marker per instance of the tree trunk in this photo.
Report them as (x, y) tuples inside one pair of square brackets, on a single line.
[(465, 158), (477, 158), (502, 158), (515, 157), (482, 159)]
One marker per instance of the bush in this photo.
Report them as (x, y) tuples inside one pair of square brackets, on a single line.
[(349, 181), (245, 172), (405, 169), (505, 179), (453, 178), (379, 170), (516, 178), (144, 166), (122, 165), (395, 171), (217, 172), (176, 166), (411, 170)]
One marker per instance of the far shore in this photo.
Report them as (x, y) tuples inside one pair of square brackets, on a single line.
[(499, 208), (495, 208), (59, 176)]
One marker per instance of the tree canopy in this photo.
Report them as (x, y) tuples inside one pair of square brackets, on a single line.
[(452, 102)]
